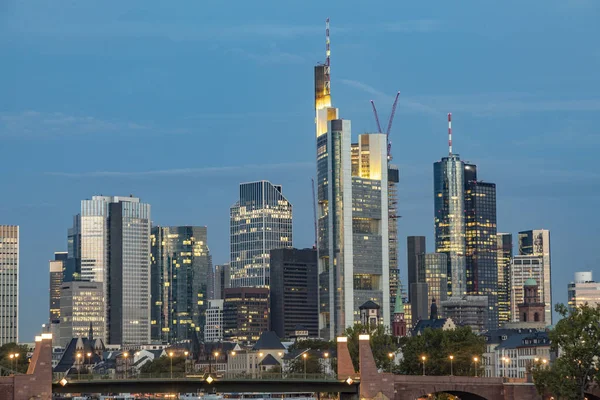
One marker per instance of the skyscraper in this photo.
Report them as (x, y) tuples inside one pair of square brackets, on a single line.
[(294, 294), (260, 220), (245, 313), (181, 278), (9, 284), (415, 246), (393, 179), (504, 257), (537, 242), (583, 290), (81, 306), (213, 331), (57, 267), (433, 270), (481, 242), (110, 243), (521, 269), (221, 281)]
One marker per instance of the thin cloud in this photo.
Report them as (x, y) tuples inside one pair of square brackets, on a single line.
[(205, 171), (272, 57)]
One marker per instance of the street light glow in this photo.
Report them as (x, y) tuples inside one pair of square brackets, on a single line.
[(451, 357)]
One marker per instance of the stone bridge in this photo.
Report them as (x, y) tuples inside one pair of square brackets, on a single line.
[(383, 386)]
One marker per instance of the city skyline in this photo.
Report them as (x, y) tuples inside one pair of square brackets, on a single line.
[(531, 186)]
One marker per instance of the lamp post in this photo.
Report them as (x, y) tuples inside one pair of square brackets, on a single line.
[(171, 357), (423, 358), (451, 357), (78, 365), (326, 356), (475, 359), (125, 355), (185, 353), (89, 355), (216, 354), (506, 364), (12, 357), (391, 357), (304, 356)]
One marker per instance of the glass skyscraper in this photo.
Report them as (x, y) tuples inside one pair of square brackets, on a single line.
[(504, 257), (81, 306), (537, 242), (110, 243), (9, 284), (260, 220), (433, 270), (57, 268), (180, 280)]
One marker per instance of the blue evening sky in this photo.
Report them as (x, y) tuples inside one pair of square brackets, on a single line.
[(178, 102)]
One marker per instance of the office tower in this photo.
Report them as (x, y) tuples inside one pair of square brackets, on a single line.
[(537, 243), (415, 246), (468, 310), (57, 268), (245, 314), (181, 279), (222, 280), (449, 203), (481, 242), (110, 243), (213, 331), (394, 274), (504, 257), (294, 292), (433, 270), (583, 290), (9, 284), (81, 306), (261, 220), (521, 269), (419, 306)]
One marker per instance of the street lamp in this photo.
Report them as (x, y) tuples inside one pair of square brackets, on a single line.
[(506, 361), (78, 365), (544, 361), (171, 357), (475, 359), (451, 357), (423, 358), (89, 355), (125, 355), (304, 356), (391, 357), (185, 353)]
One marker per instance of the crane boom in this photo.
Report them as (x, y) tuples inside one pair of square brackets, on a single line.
[(389, 127), (376, 117)]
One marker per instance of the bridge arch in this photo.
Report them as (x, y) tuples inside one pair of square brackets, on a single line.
[(460, 394)]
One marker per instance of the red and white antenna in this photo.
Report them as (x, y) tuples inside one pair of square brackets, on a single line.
[(327, 49), (449, 133)]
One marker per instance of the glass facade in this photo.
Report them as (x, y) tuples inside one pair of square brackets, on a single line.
[(449, 211), (393, 179), (81, 306), (415, 247), (57, 268), (583, 290), (260, 221), (9, 284), (537, 242), (521, 269), (481, 242), (214, 322), (245, 314), (180, 280), (433, 270), (221, 281), (504, 257)]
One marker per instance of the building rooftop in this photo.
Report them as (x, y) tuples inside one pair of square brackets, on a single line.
[(268, 341), (369, 305)]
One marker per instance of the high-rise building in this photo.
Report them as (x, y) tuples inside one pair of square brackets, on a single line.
[(537, 243), (418, 306), (261, 220), (294, 292), (81, 306), (213, 331), (415, 246), (433, 270), (9, 284), (245, 314), (222, 280), (521, 269), (393, 179), (468, 310), (583, 290), (181, 278), (449, 203), (481, 242), (57, 268), (504, 257), (110, 243)]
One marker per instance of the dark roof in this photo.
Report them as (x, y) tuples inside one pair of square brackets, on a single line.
[(209, 347), (292, 355), (69, 357), (268, 341), (518, 340), (429, 323), (369, 305), (497, 335), (269, 360)]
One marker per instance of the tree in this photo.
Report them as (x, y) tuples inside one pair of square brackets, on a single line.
[(313, 364), (576, 338), (17, 364), (437, 345), (163, 365), (382, 343)]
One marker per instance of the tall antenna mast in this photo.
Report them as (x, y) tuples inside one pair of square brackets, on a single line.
[(449, 133), (327, 59)]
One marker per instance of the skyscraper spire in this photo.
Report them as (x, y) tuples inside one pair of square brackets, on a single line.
[(449, 134), (327, 59)]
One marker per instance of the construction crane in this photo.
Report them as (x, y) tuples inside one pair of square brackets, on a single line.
[(389, 126), (314, 209)]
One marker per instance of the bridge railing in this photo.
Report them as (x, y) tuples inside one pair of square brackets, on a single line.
[(219, 376)]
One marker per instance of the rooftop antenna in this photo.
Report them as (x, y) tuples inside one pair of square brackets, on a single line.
[(327, 59), (450, 134)]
